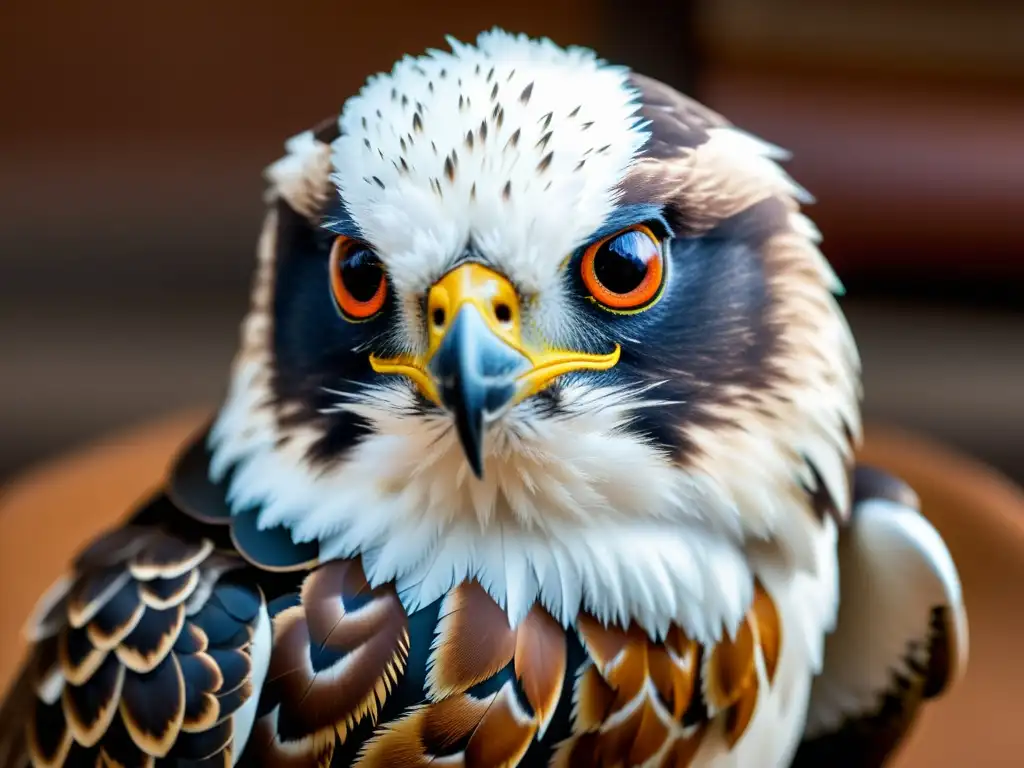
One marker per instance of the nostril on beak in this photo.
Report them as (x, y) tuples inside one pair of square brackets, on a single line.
[(438, 316), (503, 312)]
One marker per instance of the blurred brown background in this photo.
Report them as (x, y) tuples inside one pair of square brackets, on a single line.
[(132, 140)]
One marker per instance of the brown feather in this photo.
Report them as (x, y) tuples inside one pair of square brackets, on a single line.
[(628, 673), (730, 669), (369, 643), (616, 739), (593, 699), (415, 739), (289, 631), (473, 642), (603, 643), (668, 681), (650, 735), (503, 735), (578, 751), (322, 599), (540, 663), (314, 751), (339, 698)]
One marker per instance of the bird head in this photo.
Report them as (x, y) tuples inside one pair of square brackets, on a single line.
[(513, 289)]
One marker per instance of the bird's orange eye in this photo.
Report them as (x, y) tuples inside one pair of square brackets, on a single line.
[(358, 281), (624, 272)]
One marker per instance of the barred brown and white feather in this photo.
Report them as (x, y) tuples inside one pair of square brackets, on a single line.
[(491, 693), (338, 652), (638, 702)]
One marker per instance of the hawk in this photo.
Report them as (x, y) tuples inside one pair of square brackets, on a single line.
[(538, 450)]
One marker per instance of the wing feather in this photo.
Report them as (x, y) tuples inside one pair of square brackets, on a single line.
[(901, 636), (122, 673)]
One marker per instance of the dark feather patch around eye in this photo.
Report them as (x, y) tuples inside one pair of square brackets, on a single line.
[(318, 355), (709, 330)]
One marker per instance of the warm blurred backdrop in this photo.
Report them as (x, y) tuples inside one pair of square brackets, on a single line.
[(132, 137)]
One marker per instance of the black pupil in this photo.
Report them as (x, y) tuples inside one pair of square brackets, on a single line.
[(361, 272), (621, 264)]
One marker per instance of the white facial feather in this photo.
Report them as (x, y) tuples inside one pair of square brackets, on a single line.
[(573, 511)]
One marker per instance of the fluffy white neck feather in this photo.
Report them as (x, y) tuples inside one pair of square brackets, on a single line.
[(572, 512)]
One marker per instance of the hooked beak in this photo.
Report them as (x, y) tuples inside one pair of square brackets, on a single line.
[(476, 365)]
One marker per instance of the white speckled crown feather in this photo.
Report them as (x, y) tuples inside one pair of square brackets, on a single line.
[(423, 173)]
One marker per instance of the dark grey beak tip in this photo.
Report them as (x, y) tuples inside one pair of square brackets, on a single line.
[(469, 427), (478, 467)]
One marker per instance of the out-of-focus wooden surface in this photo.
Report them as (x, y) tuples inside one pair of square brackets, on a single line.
[(46, 515)]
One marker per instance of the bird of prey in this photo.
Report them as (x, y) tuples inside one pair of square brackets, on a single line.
[(538, 450)]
